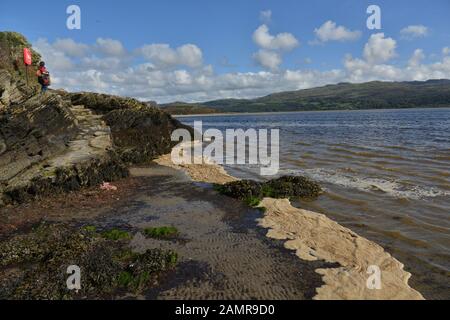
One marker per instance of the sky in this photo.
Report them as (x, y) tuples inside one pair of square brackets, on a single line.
[(200, 50)]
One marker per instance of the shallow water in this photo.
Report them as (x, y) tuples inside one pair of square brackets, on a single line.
[(386, 175)]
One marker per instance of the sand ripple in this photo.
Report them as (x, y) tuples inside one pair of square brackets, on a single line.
[(315, 237)]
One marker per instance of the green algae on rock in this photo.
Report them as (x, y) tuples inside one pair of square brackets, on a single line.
[(161, 232), (116, 234), (34, 265)]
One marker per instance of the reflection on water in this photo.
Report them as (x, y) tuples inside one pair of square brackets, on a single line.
[(386, 174)]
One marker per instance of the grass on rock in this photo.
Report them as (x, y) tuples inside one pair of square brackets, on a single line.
[(161, 232), (116, 234)]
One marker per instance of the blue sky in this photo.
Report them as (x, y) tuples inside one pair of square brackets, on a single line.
[(233, 63)]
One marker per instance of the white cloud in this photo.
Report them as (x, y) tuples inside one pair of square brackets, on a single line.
[(269, 56), (182, 77), (329, 31), (379, 49), (57, 58), (282, 41), (265, 16), (446, 51), (416, 58), (104, 63), (165, 78), (268, 59), (164, 56), (414, 31), (110, 47), (70, 47)]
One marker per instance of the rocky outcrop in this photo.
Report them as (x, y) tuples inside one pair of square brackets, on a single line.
[(64, 141), (13, 74), (51, 146), (140, 132), (284, 187)]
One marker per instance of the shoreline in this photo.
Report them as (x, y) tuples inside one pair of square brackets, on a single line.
[(341, 256), (208, 225), (230, 114), (315, 237)]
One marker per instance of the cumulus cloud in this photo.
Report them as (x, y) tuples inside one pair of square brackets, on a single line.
[(110, 47), (329, 31), (374, 64), (282, 41), (181, 74), (446, 51), (70, 47), (163, 55), (416, 58), (414, 31), (272, 46), (58, 58), (379, 49), (268, 59)]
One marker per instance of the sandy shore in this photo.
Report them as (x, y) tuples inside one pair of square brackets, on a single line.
[(315, 237)]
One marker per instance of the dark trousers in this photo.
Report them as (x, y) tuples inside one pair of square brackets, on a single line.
[(43, 88)]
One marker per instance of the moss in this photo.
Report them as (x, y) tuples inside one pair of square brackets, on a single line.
[(172, 258), (141, 267), (134, 282), (262, 209), (90, 229), (126, 255), (161, 232), (116, 234), (268, 191), (124, 279), (252, 201)]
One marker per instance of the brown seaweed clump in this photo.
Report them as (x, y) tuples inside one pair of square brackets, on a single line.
[(252, 192), (34, 265)]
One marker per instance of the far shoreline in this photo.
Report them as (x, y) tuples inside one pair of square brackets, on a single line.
[(232, 114)]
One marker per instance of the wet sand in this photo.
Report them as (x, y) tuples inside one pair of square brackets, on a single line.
[(223, 254), (314, 237)]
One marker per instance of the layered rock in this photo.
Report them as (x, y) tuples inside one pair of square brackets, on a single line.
[(50, 145), (64, 141), (140, 132)]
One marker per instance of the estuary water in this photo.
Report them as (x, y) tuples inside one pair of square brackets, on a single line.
[(386, 174)]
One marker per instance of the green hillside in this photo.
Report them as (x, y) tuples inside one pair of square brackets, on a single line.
[(186, 108), (343, 96)]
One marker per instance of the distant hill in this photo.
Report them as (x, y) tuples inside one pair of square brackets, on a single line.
[(343, 96), (187, 108)]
